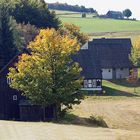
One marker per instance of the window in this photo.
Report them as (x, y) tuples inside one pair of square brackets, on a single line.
[(85, 83), (9, 81), (94, 83), (14, 97), (109, 70), (90, 83)]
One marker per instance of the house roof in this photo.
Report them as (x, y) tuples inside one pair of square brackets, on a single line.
[(89, 64), (104, 53), (14, 60), (112, 53), (115, 12), (9, 64)]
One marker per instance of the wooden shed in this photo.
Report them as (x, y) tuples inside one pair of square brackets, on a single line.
[(30, 112)]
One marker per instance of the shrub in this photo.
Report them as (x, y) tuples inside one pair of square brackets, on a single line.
[(83, 15), (98, 120)]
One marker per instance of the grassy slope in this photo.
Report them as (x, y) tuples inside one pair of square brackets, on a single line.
[(90, 25), (118, 89), (102, 27)]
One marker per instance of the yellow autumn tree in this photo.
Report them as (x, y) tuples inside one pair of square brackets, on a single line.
[(48, 75), (135, 53)]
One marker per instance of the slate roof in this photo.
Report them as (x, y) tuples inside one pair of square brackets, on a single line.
[(114, 14), (112, 53), (104, 53), (91, 70)]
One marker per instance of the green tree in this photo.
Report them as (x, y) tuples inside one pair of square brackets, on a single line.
[(48, 75), (127, 13), (7, 33), (36, 13)]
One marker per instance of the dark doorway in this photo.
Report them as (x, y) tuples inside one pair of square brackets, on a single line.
[(114, 73)]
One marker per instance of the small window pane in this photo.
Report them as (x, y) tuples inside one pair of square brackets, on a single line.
[(9, 81), (14, 97), (85, 83), (94, 83), (90, 85), (89, 81)]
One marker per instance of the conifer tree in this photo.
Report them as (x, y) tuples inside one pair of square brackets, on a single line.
[(7, 43), (36, 13)]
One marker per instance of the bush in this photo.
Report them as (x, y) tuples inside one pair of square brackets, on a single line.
[(83, 15), (98, 120), (69, 117)]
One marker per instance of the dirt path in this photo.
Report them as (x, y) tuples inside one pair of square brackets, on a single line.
[(122, 114), (49, 131)]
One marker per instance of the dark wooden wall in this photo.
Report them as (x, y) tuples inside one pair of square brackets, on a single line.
[(9, 108)]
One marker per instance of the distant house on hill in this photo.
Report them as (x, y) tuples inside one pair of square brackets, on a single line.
[(104, 59), (115, 15)]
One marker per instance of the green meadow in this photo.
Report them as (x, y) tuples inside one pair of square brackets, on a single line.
[(90, 25), (99, 27)]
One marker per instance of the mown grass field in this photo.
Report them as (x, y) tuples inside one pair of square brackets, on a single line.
[(91, 25), (97, 27)]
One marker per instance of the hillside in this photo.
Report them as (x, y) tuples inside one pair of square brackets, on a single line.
[(99, 27), (90, 25)]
